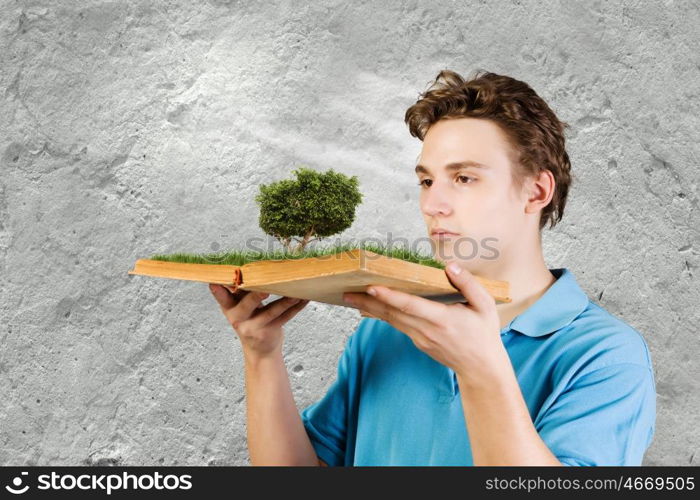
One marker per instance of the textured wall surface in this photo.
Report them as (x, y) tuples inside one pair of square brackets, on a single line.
[(130, 128)]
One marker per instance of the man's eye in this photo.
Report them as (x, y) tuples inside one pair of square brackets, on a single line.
[(472, 179), (423, 185)]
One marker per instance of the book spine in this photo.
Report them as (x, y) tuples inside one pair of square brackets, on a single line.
[(237, 279)]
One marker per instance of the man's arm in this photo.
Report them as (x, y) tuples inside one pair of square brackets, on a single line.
[(466, 338), (276, 434), (500, 429)]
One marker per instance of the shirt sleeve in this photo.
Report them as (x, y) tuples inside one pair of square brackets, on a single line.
[(605, 417), (327, 420)]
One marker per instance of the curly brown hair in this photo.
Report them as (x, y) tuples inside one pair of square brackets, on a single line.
[(533, 131)]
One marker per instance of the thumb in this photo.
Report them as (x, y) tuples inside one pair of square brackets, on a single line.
[(477, 296)]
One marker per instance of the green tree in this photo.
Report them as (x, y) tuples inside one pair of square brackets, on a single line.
[(314, 206)]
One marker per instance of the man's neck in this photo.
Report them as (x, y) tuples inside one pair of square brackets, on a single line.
[(529, 279)]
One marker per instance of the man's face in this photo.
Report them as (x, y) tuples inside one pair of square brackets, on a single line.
[(481, 205)]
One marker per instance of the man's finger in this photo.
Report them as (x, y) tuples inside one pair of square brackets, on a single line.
[(272, 310), (402, 321), (249, 303), (288, 314), (411, 305), (477, 296), (223, 296)]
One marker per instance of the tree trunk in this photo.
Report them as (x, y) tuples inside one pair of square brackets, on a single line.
[(306, 239)]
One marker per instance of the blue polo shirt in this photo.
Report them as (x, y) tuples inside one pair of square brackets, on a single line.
[(585, 375)]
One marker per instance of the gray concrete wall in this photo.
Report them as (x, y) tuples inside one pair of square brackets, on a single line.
[(129, 128)]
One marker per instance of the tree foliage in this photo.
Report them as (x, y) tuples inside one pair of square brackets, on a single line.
[(314, 206)]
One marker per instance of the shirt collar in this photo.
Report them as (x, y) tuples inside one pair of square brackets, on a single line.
[(563, 301)]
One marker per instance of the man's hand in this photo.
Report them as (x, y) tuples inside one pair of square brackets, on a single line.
[(467, 339), (464, 337), (259, 327)]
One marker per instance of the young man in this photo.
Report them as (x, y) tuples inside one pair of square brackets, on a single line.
[(548, 379)]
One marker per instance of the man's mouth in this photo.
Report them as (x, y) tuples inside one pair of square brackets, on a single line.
[(444, 236), (442, 233)]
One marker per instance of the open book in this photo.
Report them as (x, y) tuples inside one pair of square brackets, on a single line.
[(325, 278)]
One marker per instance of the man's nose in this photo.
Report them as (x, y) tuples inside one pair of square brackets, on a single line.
[(436, 201)]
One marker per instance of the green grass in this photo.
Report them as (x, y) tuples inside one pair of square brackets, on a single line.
[(239, 257)]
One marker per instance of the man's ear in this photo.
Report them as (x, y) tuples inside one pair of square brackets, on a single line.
[(540, 190)]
